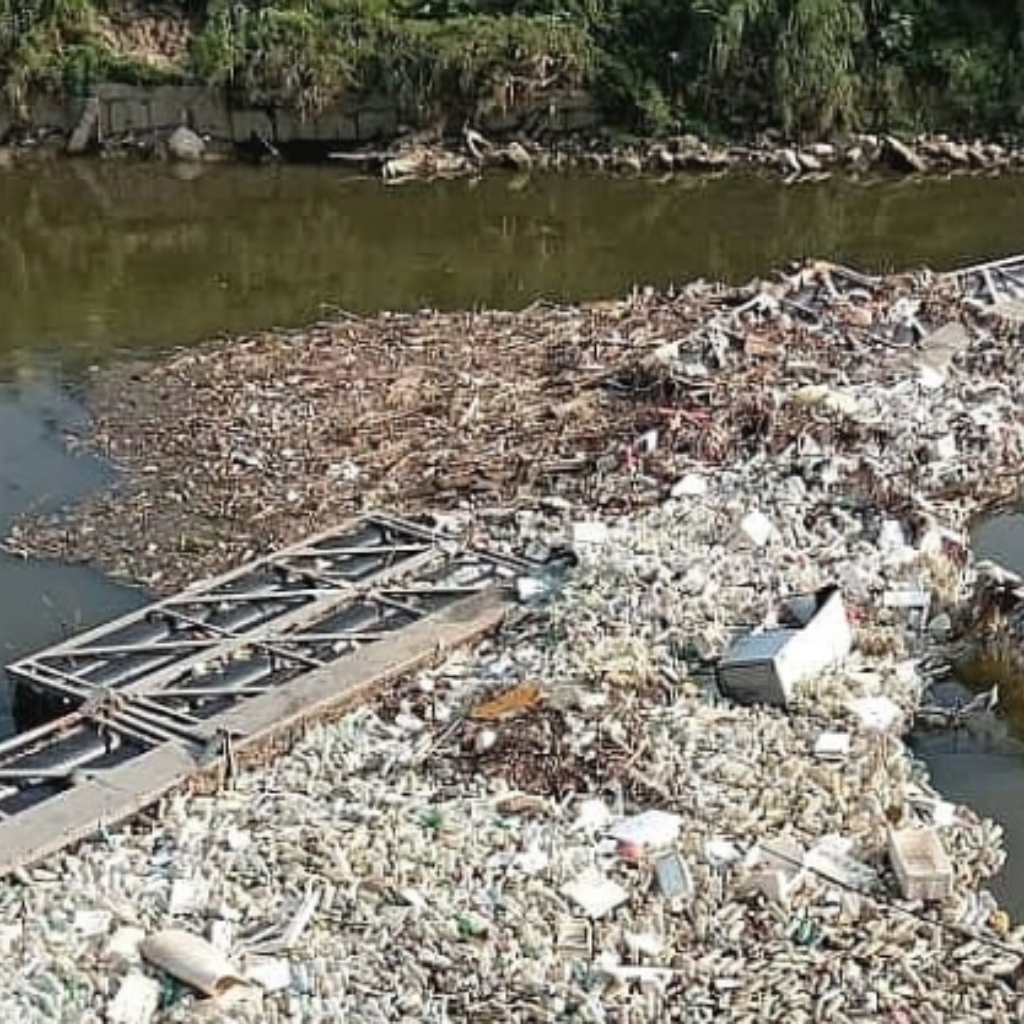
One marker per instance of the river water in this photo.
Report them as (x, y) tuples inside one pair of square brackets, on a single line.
[(106, 261)]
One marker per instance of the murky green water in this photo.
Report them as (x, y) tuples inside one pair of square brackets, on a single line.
[(99, 261), (96, 257)]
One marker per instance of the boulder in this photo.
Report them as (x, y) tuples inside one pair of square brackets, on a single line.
[(978, 156), (808, 162), (902, 157), (185, 144), (789, 161), (628, 163), (955, 153), (662, 159), (517, 156)]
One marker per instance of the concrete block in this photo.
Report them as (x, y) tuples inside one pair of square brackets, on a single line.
[(345, 128), (581, 118), (374, 123), (244, 122), (124, 116), (210, 115)]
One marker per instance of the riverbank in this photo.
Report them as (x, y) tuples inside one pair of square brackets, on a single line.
[(187, 127), (808, 69)]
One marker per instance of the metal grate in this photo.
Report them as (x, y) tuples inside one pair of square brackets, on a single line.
[(992, 284), (178, 670)]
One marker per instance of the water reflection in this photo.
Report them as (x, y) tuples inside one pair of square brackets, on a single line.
[(41, 603), (1001, 539), (968, 771), (95, 256)]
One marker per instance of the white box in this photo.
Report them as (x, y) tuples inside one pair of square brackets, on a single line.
[(764, 667)]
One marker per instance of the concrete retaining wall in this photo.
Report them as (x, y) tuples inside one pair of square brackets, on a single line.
[(126, 110)]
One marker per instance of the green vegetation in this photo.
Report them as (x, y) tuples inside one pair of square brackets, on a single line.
[(60, 46), (808, 67)]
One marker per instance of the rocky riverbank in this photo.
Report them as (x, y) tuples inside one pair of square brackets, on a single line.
[(688, 154), (431, 155)]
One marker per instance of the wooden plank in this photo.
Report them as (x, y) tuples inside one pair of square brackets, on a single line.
[(350, 679), (105, 799)]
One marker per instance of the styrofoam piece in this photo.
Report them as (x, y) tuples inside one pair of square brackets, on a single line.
[(588, 535), (188, 896), (238, 839), (765, 667), (648, 830), (644, 943), (906, 597), (592, 814), (832, 858), (124, 944), (946, 447), (758, 528), (777, 886), (136, 1002), (832, 746), (222, 934), (721, 852), (272, 974), (892, 543), (876, 714), (11, 935), (692, 485), (921, 863), (777, 855), (533, 860), (92, 922), (595, 893), (530, 588), (659, 977)]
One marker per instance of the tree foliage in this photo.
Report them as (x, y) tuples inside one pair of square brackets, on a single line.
[(808, 67)]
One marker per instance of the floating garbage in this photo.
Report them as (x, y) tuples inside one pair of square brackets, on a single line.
[(921, 864), (595, 894), (453, 849), (136, 1002), (832, 746), (193, 960), (766, 666), (673, 877)]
